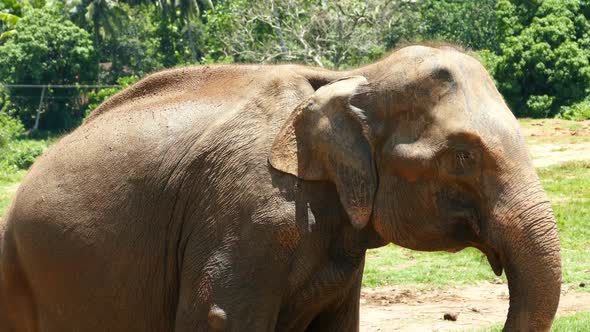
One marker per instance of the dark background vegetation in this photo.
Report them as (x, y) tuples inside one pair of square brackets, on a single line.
[(84, 51)]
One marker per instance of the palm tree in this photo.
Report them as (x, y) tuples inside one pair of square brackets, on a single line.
[(9, 21), (188, 10), (103, 17), (182, 12)]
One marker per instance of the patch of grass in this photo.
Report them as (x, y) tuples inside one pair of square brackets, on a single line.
[(20, 154), (550, 123), (578, 322), (8, 185), (561, 149), (393, 265), (529, 122), (565, 139), (15, 157), (568, 186)]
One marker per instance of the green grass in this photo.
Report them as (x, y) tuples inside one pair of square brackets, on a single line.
[(393, 265), (578, 322), (15, 157), (568, 186), (575, 323), (8, 185), (557, 139), (550, 123)]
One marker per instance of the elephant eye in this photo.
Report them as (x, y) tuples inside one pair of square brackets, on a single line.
[(465, 162), (460, 161), (463, 157)]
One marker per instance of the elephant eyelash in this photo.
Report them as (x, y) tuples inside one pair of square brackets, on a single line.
[(463, 157), (458, 160)]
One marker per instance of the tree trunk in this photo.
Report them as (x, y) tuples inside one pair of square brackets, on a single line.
[(278, 28), (39, 110), (191, 38), (96, 30)]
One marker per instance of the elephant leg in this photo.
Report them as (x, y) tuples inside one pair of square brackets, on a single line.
[(17, 309), (235, 308), (224, 297), (344, 317)]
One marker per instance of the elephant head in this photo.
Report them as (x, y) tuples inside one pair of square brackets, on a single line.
[(422, 147)]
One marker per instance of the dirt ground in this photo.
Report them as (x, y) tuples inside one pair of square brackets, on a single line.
[(552, 142), (415, 308), (411, 308)]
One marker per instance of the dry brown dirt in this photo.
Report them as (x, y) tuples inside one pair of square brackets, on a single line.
[(417, 308), (555, 141), (414, 308)]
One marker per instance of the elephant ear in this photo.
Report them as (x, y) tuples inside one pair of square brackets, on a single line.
[(326, 138)]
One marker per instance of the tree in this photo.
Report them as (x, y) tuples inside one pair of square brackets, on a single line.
[(327, 33), (543, 61), (9, 22), (11, 12), (471, 23), (103, 17), (47, 49), (191, 9), (133, 51), (180, 24)]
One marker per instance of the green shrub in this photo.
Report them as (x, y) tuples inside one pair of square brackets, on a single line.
[(10, 128), (20, 154), (577, 111), (544, 57), (540, 106), (489, 60), (95, 98), (47, 48)]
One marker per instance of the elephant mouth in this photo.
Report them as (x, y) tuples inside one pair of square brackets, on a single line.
[(492, 255), (467, 228), (493, 259)]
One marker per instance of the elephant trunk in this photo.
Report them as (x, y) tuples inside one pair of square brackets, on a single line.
[(527, 246)]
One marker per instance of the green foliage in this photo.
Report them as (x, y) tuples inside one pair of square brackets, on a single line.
[(133, 51), (330, 34), (9, 21), (540, 106), (537, 51), (20, 154), (543, 56), (95, 98), (8, 184), (11, 6), (489, 59), (47, 49), (471, 23), (577, 111), (10, 128)]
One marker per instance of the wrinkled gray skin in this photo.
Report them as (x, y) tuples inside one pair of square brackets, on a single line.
[(243, 198)]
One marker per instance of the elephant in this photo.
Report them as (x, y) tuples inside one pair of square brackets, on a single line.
[(244, 198)]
